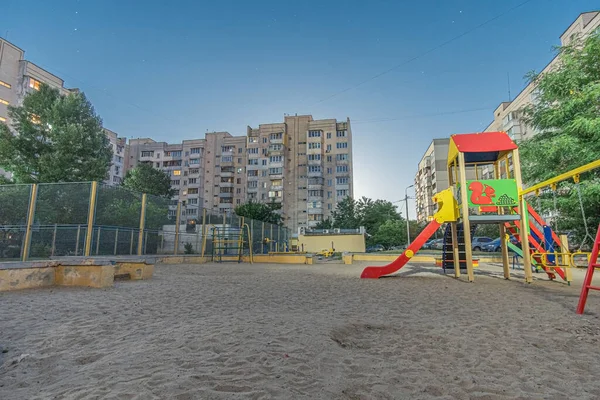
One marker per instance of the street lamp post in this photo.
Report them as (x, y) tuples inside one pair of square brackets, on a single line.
[(407, 223)]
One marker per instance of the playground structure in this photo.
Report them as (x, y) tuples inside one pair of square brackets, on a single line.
[(500, 200)]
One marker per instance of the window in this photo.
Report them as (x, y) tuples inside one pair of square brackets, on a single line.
[(227, 149), (253, 173), (264, 161), (314, 168), (315, 193), (329, 158), (177, 172), (264, 140), (239, 181), (314, 145), (252, 140), (275, 159), (314, 157), (3, 101), (34, 84), (275, 171), (226, 200), (328, 135), (328, 195), (328, 148), (175, 182), (264, 173), (341, 145), (341, 180), (193, 191), (173, 153), (314, 204), (2, 119), (191, 211), (342, 193), (195, 150), (194, 161), (276, 136), (239, 160), (253, 151), (237, 201), (264, 152), (330, 170), (329, 182), (253, 184), (238, 190), (194, 171), (253, 161), (226, 190), (192, 181), (7, 85), (341, 157), (227, 159), (329, 206), (341, 134), (228, 169), (314, 133), (240, 150), (276, 193)]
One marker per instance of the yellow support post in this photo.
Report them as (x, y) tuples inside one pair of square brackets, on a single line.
[(203, 231), (142, 225), (465, 216), (524, 233), (250, 241), (90, 222), (30, 216), (567, 260), (177, 221)]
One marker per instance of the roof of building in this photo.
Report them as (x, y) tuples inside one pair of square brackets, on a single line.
[(479, 147)]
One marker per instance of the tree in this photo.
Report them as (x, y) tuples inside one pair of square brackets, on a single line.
[(390, 233), (567, 115), (54, 138), (145, 179), (325, 224), (266, 212), (344, 215)]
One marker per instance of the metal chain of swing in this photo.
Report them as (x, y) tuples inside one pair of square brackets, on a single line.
[(585, 225)]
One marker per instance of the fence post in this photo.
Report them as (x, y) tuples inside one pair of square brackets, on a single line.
[(177, 221), (203, 231), (278, 238), (262, 242), (271, 239), (142, 223), (90, 222), (77, 243), (224, 219), (251, 239), (131, 243), (98, 241), (53, 242), (116, 241), (145, 242), (30, 216)]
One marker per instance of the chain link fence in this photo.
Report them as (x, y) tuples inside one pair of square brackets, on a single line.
[(53, 220)]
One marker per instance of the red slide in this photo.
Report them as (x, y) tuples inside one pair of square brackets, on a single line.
[(378, 272)]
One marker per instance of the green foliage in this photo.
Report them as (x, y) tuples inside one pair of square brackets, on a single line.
[(265, 212), (325, 224), (189, 248), (345, 214), (145, 179), (55, 139), (567, 115), (390, 233)]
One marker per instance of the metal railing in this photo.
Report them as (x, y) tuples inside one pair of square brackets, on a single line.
[(52, 220)]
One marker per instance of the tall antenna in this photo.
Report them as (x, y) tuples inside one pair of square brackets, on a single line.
[(508, 84)]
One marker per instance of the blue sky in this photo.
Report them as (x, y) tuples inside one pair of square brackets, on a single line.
[(174, 71)]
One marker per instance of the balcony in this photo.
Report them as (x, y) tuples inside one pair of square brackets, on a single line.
[(315, 198), (252, 189), (312, 224), (252, 167), (315, 187), (227, 174), (225, 206), (342, 186), (276, 176), (275, 150), (318, 174), (315, 162), (276, 187), (276, 141), (276, 199), (225, 184), (315, 211), (251, 178), (278, 164), (226, 194)]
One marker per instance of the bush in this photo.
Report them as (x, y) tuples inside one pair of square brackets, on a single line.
[(189, 249)]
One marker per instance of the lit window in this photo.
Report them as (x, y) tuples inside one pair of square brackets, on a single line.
[(35, 119), (2, 119), (177, 172), (34, 84), (3, 101), (5, 84)]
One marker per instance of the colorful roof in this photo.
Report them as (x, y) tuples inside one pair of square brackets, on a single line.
[(479, 147)]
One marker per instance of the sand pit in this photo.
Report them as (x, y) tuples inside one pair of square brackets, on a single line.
[(299, 332)]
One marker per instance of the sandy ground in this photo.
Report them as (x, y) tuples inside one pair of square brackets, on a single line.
[(299, 332)]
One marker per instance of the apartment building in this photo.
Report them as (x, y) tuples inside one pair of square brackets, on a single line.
[(302, 163), (509, 116), (431, 177), (19, 77)]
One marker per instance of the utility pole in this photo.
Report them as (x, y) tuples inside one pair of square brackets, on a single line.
[(407, 219)]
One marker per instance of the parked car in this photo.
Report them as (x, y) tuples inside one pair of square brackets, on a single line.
[(375, 248), (496, 244), (478, 242), (428, 244), (438, 244)]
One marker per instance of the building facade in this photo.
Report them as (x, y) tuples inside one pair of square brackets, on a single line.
[(431, 177), (19, 77), (303, 164)]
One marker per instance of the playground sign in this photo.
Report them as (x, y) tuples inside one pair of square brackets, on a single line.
[(492, 193)]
